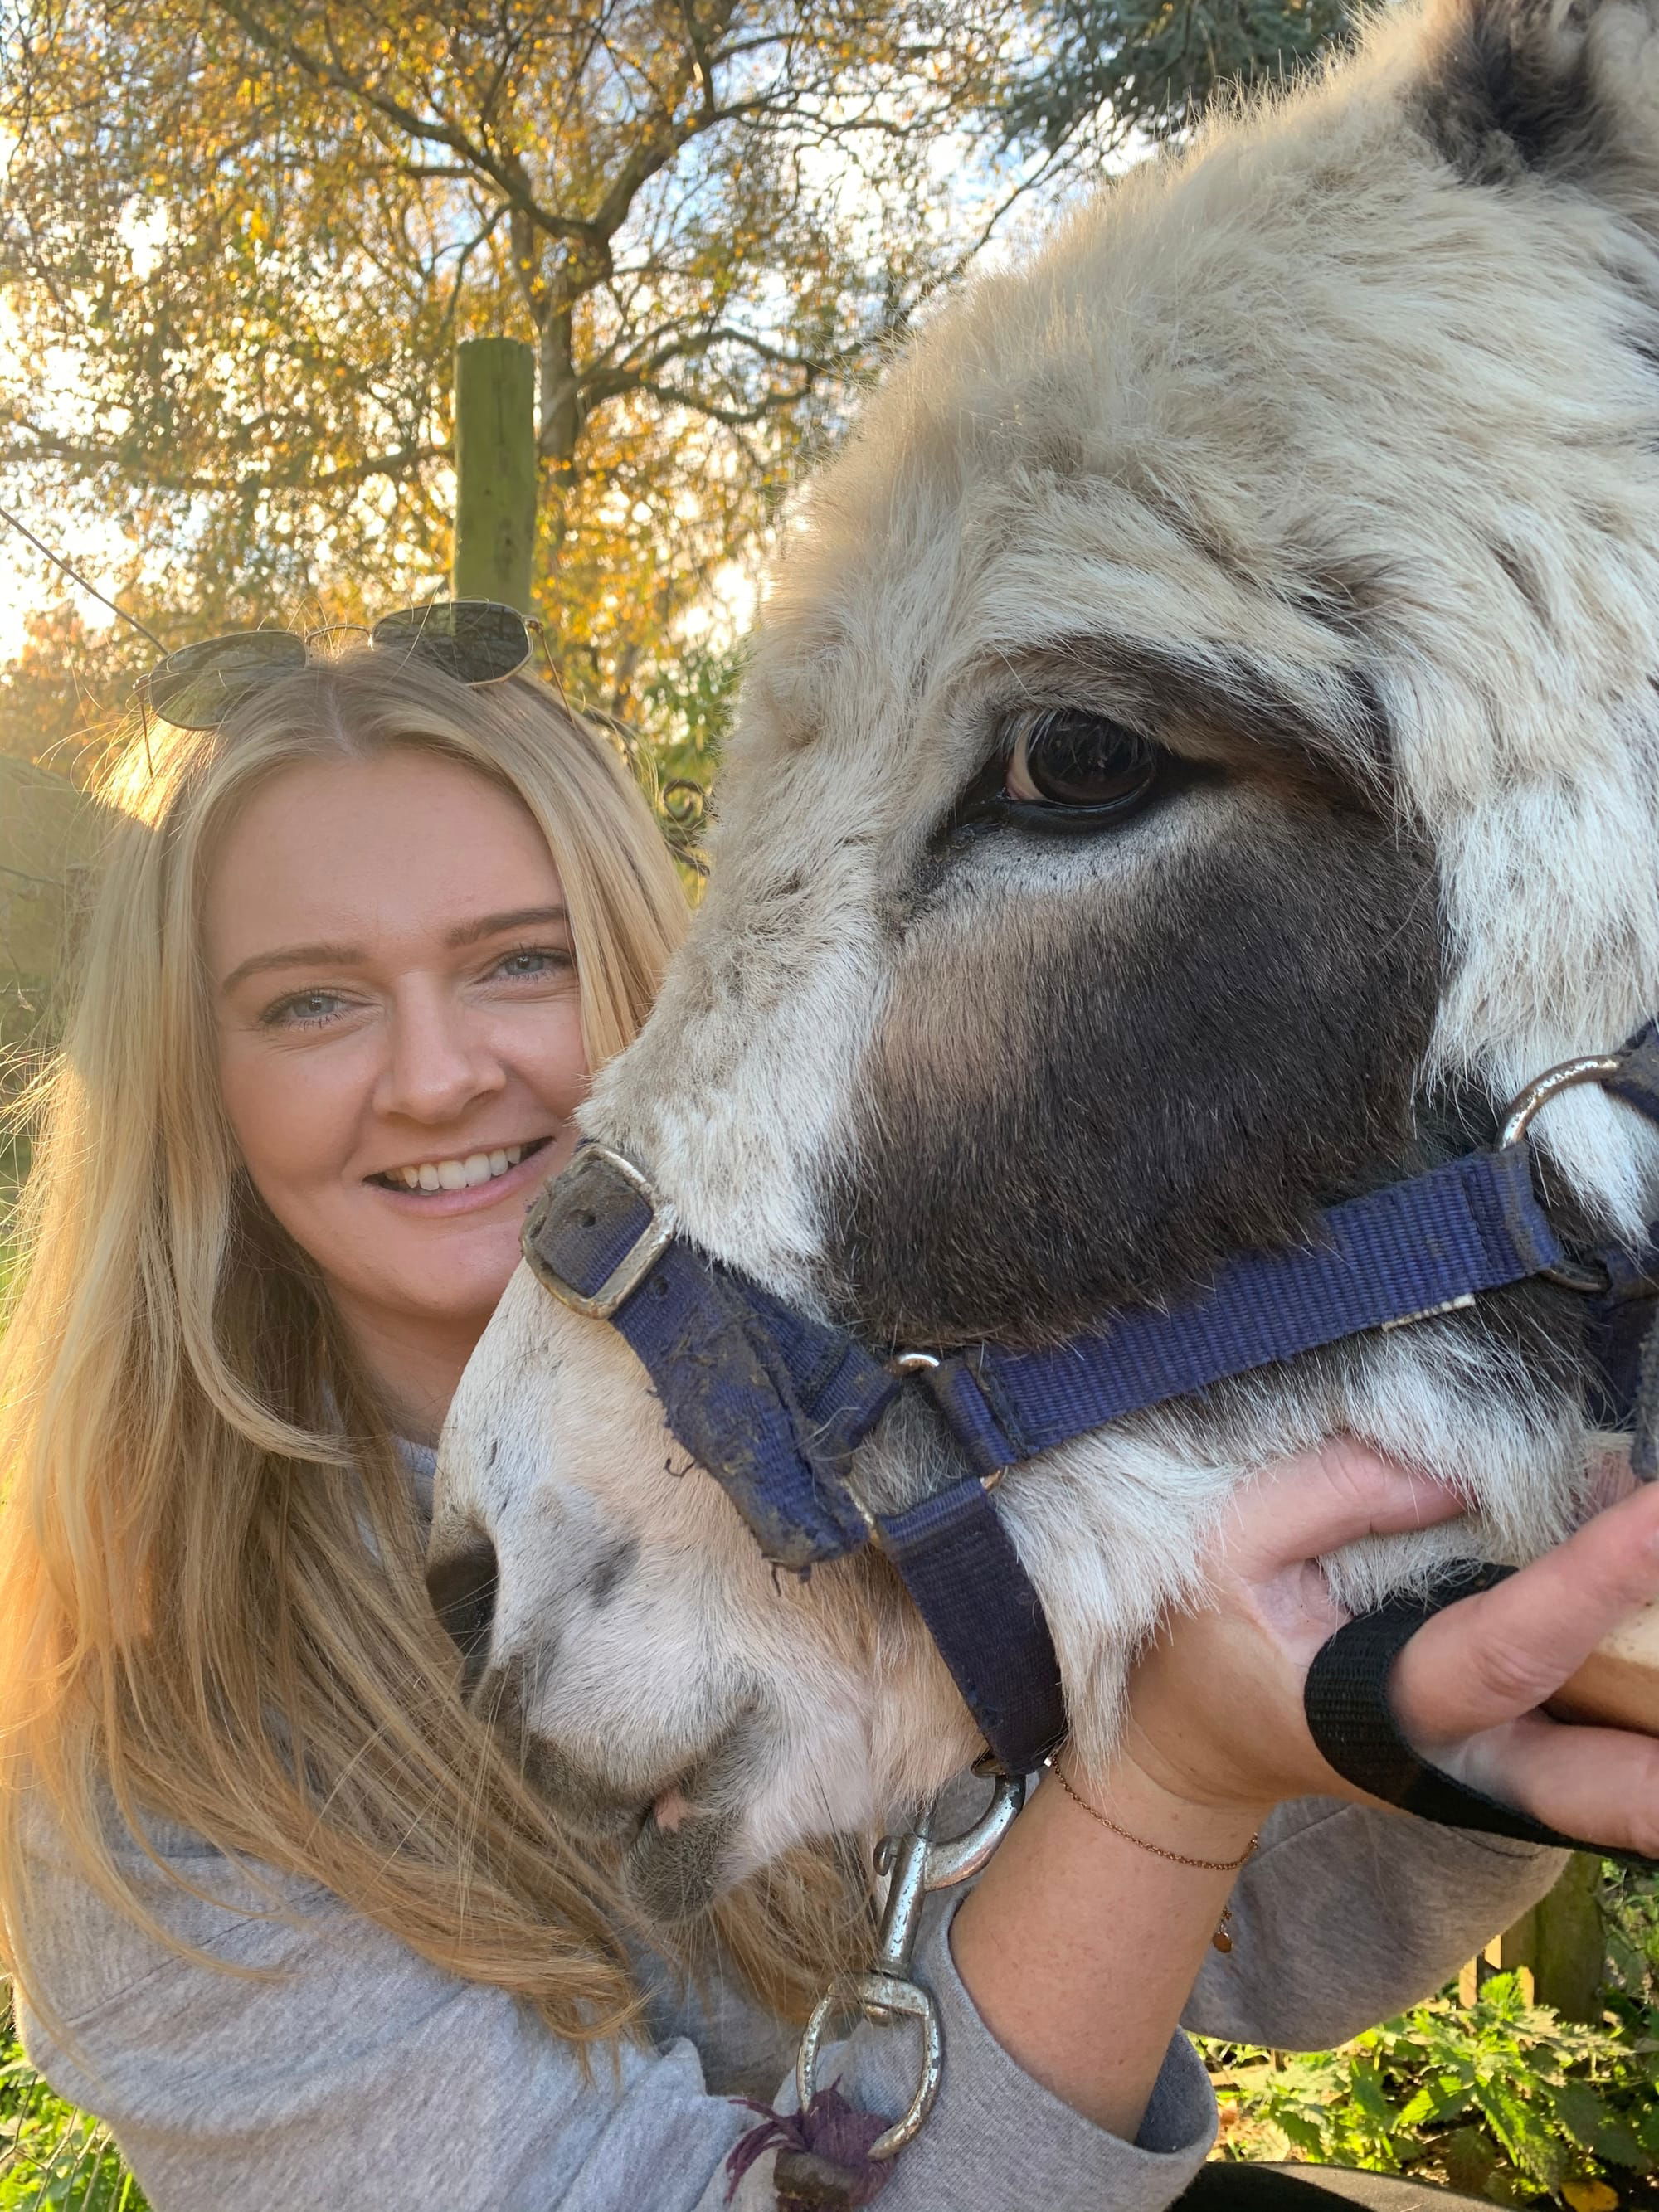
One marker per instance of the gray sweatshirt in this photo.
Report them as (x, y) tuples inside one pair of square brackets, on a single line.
[(349, 2072), (357, 2075)]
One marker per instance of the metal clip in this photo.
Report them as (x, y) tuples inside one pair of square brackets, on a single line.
[(1595, 1068), (916, 1864)]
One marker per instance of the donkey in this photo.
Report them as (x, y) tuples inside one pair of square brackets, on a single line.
[(1201, 759)]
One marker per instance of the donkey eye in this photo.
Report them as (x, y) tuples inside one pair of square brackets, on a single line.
[(1067, 758)]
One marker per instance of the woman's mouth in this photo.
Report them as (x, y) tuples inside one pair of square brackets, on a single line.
[(461, 1175)]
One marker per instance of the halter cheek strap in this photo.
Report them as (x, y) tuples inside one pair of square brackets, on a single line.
[(774, 1404), (1346, 1702)]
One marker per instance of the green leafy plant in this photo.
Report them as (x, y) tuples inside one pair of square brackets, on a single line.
[(1629, 1911), (1501, 2098), (53, 2159)]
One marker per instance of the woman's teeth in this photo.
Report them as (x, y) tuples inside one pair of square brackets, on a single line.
[(458, 1175)]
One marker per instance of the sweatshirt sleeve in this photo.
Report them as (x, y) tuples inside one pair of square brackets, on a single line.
[(345, 2069), (1347, 1914)]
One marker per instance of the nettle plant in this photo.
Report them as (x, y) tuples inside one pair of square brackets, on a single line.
[(1501, 2098)]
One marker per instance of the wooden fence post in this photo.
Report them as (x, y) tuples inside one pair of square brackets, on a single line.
[(494, 471), (1558, 1948)]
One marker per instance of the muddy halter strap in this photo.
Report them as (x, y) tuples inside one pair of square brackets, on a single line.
[(775, 1404)]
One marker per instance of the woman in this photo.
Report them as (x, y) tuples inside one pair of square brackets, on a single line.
[(281, 1906)]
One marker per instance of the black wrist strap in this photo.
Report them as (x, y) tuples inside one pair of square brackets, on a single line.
[(1347, 1703)]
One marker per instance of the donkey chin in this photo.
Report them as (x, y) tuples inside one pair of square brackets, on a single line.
[(1201, 758)]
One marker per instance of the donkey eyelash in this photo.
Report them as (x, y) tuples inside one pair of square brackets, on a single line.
[(1113, 772)]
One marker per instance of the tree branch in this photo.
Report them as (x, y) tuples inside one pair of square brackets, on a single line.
[(138, 468), (428, 128)]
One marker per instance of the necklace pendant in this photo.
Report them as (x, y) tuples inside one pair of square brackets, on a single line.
[(1223, 1938)]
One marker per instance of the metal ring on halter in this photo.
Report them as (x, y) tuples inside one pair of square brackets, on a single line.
[(1524, 1110), (919, 1363), (884, 1999), (913, 1363), (914, 1864)]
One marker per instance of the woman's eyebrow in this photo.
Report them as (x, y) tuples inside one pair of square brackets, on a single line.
[(349, 955), (493, 925), (294, 956)]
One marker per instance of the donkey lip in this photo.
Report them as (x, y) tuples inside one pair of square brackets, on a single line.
[(609, 1818), (680, 1856), (672, 1874), (671, 1809)]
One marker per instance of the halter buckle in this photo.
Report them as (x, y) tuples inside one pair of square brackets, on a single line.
[(574, 1220)]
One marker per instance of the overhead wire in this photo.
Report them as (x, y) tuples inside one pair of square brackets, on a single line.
[(74, 577)]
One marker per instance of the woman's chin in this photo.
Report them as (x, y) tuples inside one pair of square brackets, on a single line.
[(448, 1269)]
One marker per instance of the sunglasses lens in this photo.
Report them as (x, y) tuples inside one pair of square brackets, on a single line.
[(474, 641), (196, 687)]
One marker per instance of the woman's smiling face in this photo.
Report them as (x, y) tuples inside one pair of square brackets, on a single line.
[(399, 1022)]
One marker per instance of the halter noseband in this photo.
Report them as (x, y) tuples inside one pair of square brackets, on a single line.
[(774, 1404)]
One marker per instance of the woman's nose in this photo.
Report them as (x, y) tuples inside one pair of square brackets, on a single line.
[(439, 1060)]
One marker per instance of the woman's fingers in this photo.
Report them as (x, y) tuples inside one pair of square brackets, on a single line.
[(1305, 1507), (1217, 1698), (1599, 1783), (1487, 1659)]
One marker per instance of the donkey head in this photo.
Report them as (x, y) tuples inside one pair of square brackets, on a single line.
[(1201, 758)]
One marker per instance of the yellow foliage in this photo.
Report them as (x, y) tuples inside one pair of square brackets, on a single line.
[(1590, 2196), (707, 221)]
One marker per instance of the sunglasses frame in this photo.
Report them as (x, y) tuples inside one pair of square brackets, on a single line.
[(682, 800), (534, 630)]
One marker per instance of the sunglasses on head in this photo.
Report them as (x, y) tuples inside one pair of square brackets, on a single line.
[(474, 641)]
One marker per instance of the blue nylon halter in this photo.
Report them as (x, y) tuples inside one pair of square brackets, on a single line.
[(774, 1404)]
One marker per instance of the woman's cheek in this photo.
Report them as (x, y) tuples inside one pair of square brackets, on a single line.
[(291, 1121), (547, 1046)]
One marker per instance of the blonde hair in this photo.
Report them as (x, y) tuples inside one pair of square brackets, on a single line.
[(211, 1607)]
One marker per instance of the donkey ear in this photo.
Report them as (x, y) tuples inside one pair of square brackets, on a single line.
[(1566, 89)]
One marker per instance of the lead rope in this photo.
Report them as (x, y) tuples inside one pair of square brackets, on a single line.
[(832, 2157)]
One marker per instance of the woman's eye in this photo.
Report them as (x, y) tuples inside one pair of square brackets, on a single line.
[(1065, 758), (533, 961), (302, 1008)]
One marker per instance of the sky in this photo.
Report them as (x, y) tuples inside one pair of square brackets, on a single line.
[(26, 582)]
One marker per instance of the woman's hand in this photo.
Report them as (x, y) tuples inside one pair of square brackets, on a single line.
[(1216, 1715), (1467, 1689), (1085, 1935)]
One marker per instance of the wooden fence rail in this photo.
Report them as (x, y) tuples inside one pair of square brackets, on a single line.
[(1559, 1946)]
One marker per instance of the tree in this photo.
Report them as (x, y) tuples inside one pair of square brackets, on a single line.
[(242, 237), (1106, 71), (239, 240)]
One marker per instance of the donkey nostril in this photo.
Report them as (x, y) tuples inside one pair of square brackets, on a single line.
[(461, 1587)]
